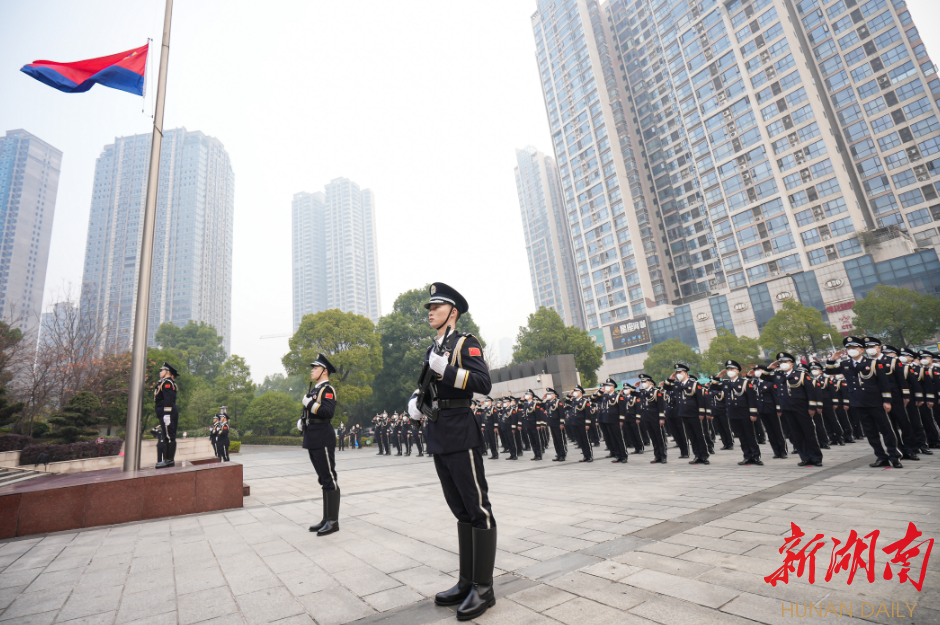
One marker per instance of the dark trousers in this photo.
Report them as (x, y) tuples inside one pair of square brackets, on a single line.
[(223, 449), (168, 423), (833, 427), (631, 433), (535, 441), (510, 441), (465, 490), (803, 435), (917, 425), (324, 462), (214, 442), (341, 441), (902, 426), (656, 437), (594, 434), (875, 422), (619, 445), (489, 439), (695, 428), (584, 440), (822, 436), (723, 426), (161, 451), (678, 434), (930, 425), (774, 433), (418, 444), (558, 439), (747, 438)]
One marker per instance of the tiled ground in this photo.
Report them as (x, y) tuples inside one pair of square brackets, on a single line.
[(580, 544)]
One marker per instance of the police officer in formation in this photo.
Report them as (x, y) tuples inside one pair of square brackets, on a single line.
[(164, 397), (341, 436), (320, 440), (214, 434), (222, 442)]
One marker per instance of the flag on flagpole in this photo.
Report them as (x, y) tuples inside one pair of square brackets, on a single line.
[(123, 71)]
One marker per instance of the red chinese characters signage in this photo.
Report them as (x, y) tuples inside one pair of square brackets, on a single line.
[(855, 556), (834, 308)]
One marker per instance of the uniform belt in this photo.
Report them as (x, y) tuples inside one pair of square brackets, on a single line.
[(318, 420), (447, 404)]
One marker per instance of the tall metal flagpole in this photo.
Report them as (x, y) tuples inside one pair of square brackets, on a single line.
[(142, 312)]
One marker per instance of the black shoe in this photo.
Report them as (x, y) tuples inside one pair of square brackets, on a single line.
[(705, 461), (314, 528), (457, 594), (896, 463), (165, 464), (711, 451), (926, 452), (662, 461), (695, 461), (801, 463), (332, 524), (624, 460), (841, 443), (656, 461), (481, 596), (727, 447), (556, 459), (759, 463), (744, 463), (421, 454), (817, 463), (776, 457), (912, 457), (639, 451), (824, 446), (880, 463), (683, 456), (850, 441), (512, 458)]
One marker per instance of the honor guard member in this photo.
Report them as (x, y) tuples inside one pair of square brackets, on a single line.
[(610, 421), (533, 413), (931, 385), (741, 404), (796, 404), (869, 398), (900, 392), (341, 436), (455, 441), (767, 410), (555, 409), (913, 374), (583, 413), (164, 398), (386, 433), (626, 407), (223, 441), (689, 400), (490, 426), (320, 440), (826, 414), (651, 414), (214, 434), (157, 432)]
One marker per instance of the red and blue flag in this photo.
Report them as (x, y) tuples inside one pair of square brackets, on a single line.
[(123, 71)]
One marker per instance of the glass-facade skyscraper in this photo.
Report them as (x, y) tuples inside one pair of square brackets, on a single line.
[(724, 157), (547, 239), (29, 180), (334, 251), (192, 263)]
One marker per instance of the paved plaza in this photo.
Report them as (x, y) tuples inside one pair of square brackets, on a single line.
[(581, 544)]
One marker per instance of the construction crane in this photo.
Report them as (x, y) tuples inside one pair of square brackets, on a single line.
[(277, 336)]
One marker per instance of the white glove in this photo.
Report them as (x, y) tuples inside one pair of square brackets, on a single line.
[(300, 424), (166, 419), (306, 400), (413, 408), (438, 363)]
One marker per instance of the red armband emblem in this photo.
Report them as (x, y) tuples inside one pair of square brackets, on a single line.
[(329, 395), (475, 351), (168, 385)]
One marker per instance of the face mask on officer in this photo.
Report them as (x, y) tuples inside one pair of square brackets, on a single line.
[(681, 376), (871, 351), (786, 366), (732, 373), (904, 359), (854, 353), (925, 361), (815, 372), (608, 388)]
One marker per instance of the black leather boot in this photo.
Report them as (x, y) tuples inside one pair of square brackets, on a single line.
[(332, 508), (481, 596), (457, 594), (168, 457), (326, 513)]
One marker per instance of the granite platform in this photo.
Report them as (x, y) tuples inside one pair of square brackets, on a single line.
[(71, 501)]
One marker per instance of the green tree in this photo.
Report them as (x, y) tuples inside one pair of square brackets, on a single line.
[(8, 411), (198, 344), (727, 346), (661, 359), (352, 345), (405, 335), (271, 414), (76, 417), (899, 316), (295, 386), (234, 387), (201, 406), (798, 330), (547, 335)]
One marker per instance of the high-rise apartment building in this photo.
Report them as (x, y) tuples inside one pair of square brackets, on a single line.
[(724, 157), (334, 253), (29, 179), (547, 238), (192, 263)]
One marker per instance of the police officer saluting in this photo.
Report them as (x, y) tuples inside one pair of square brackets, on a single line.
[(742, 404), (320, 440), (454, 439), (164, 398)]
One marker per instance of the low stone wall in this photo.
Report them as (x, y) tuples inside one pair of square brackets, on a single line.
[(186, 449)]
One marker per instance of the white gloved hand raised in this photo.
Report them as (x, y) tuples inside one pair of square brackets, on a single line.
[(437, 363), (413, 408), (307, 399)]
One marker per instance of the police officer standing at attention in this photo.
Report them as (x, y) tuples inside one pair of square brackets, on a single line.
[(320, 440), (454, 439), (651, 412), (741, 404), (556, 423), (689, 399), (223, 442), (164, 398), (341, 436), (766, 408), (214, 435), (534, 413), (795, 396)]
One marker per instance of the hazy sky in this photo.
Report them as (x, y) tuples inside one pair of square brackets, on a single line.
[(423, 102)]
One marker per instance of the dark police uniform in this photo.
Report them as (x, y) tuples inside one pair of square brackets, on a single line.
[(900, 390), (741, 404), (556, 424), (767, 411), (795, 396), (626, 408), (320, 443), (533, 413), (164, 397), (223, 441), (214, 434), (583, 416), (454, 439), (868, 391), (689, 402), (651, 410)]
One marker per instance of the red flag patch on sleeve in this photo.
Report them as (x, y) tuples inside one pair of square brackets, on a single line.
[(329, 395), (475, 351), (168, 385)]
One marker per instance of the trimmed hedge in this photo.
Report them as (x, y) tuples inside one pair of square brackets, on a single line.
[(73, 451), (295, 441), (13, 442), (234, 447)]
